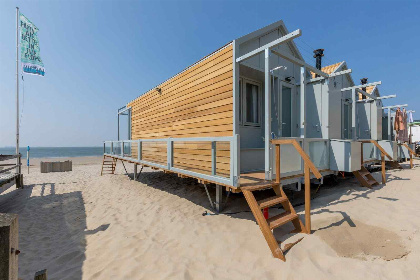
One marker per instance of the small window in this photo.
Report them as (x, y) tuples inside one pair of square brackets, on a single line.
[(251, 104)]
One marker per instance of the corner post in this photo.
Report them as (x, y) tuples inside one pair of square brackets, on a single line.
[(17, 88), (169, 153), (389, 125), (353, 115), (267, 122), (302, 102), (213, 158), (139, 150), (235, 161)]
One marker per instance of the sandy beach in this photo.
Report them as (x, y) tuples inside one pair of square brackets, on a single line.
[(80, 225)]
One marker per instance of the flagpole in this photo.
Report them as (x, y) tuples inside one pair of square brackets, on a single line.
[(17, 88)]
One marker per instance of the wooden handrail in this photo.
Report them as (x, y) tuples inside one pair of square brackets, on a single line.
[(408, 148), (309, 166), (302, 153), (412, 153), (378, 146)]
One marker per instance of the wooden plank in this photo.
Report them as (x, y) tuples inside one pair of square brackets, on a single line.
[(265, 229), (200, 107), (193, 70), (188, 115), (203, 88), (198, 82), (188, 100)]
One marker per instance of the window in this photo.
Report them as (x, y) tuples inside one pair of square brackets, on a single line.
[(251, 103)]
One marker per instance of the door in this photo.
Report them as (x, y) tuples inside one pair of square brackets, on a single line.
[(284, 109), (346, 120)]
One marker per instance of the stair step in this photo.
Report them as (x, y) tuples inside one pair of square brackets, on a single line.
[(372, 182), (281, 219), (258, 186), (271, 201)]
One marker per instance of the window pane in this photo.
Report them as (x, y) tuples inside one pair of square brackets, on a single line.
[(252, 104)]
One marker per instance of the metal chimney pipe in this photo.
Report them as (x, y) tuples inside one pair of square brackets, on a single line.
[(364, 81), (318, 54)]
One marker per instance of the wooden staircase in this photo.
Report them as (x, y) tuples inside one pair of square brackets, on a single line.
[(289, 214), (267, 225), (108, 165), (365, 178)]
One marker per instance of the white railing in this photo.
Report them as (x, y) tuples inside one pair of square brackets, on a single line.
[(160, 153)]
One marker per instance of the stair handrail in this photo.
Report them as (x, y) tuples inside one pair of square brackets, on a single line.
[(378, 146), (408, 148), (412, 153), (309, 166), (305, 157)]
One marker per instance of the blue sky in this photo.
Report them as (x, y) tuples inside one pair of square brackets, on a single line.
[(99, 55)]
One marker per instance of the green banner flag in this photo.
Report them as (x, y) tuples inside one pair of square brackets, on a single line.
[(29, 48)]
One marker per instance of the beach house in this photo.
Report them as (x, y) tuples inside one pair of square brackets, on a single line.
[(252, 115)]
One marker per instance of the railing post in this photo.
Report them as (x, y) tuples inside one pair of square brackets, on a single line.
[(307, 199), (235, 164), (411, 159), (139, 150), (361, 152), (122, 148), (383, 168), (278, 177), (169, 153), (112, 148), (104, 147), (213, 157)]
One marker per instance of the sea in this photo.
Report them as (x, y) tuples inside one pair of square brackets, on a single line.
[(52, 152)]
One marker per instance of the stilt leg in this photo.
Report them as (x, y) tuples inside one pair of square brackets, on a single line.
[(219, 198)]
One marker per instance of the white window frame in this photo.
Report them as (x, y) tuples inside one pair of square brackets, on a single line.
[(244, 81)]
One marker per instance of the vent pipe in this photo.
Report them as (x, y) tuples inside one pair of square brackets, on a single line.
[(318, 54), (364, 82)]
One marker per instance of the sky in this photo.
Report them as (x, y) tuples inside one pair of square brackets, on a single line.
[(99, 55)]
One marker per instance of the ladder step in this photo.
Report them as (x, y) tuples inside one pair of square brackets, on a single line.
[(258, 186), (281, 219), (364, 173), (271, 201), (372, 182)]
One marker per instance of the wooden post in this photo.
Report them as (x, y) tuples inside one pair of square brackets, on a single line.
[(361, 157), (411, 160), (41, 275), (383, 168), (307, 199), (278, 164), (9, 246)]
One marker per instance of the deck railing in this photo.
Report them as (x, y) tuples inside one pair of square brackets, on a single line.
[(10, 171), (212, 159), (308, 167), (383, 155)]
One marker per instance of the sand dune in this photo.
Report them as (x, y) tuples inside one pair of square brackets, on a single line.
[(80, 225)]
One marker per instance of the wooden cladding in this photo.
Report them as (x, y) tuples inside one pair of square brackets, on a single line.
[(196, 103), (197, 157)]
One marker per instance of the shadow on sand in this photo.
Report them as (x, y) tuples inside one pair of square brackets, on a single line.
[(52, 230)]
